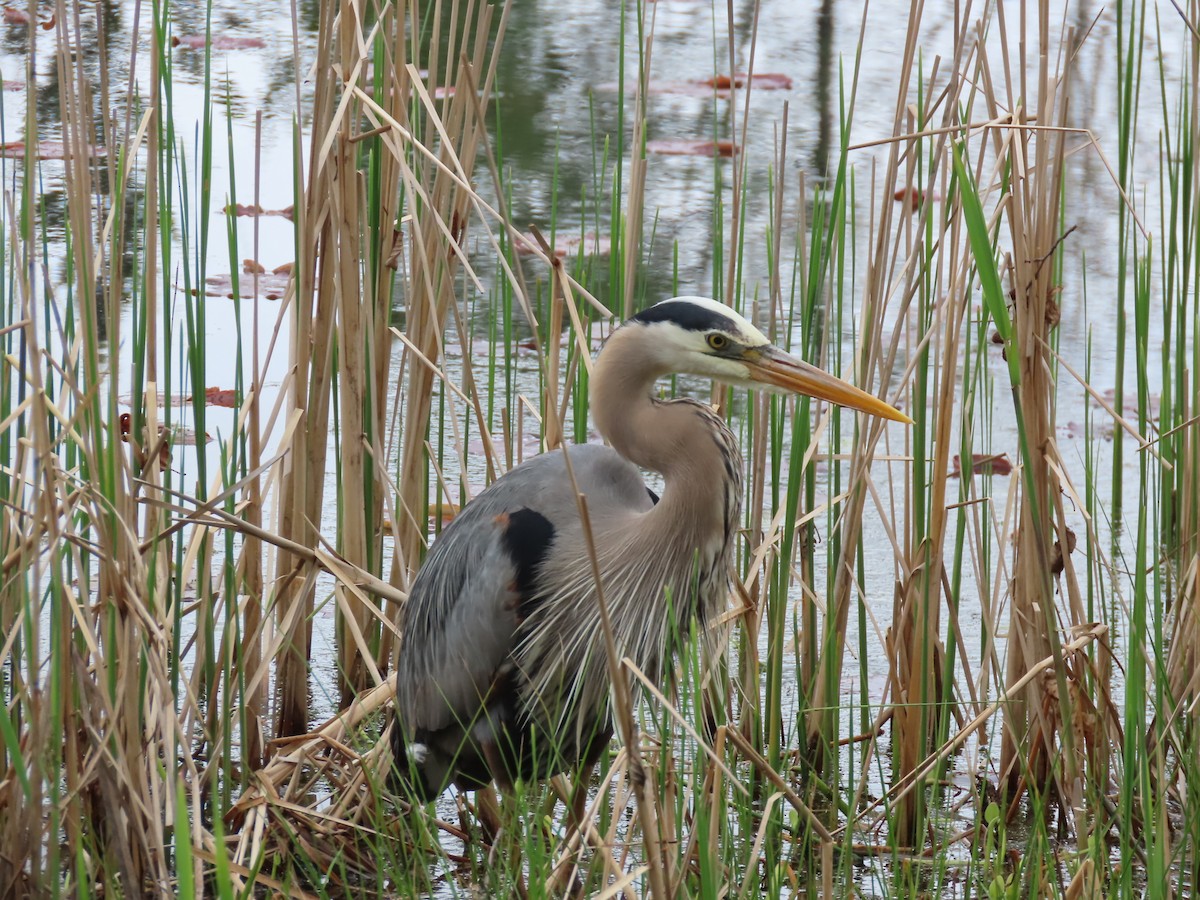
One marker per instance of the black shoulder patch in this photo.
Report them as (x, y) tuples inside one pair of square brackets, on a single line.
[(527, 540), (689, 316)]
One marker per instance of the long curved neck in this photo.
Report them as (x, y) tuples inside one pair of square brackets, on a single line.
[(684, 441)]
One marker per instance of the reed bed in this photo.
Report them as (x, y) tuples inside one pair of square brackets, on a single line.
[(1021, 722)]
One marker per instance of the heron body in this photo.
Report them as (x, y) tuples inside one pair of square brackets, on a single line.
[(502, 673)]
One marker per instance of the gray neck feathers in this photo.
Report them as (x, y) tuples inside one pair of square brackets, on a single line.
[(680, 548), (686, 442)]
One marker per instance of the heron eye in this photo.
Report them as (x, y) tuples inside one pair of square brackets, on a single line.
[(718, 341)]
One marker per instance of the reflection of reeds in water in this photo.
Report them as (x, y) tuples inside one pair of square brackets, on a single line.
[(156, 636)]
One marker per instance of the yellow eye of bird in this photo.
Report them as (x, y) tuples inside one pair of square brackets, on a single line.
[(718, 341)]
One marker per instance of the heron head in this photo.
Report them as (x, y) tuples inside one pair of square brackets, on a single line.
[(699, 336)]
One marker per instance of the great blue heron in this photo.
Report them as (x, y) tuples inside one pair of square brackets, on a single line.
[(502, 673)]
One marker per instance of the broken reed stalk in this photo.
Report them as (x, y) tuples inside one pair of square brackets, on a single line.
[(340, 247), (436, 249), (348, 309), (1034, 160), (254, 706), (874, 359), (312, 334), (102, 715), (84, 613), (1181, 433), (363, 217), (942, 288)]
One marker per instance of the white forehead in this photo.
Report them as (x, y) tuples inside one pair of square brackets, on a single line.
[(737, 326)]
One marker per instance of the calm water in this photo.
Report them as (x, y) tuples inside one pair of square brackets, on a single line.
[(557, 105)]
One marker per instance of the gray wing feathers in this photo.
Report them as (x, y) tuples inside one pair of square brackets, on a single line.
[(461, 616), (446, 669)]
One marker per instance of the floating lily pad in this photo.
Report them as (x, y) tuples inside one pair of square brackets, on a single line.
[(763, 81), (913, 197), (983, 464), (692, 147), (566, 244), (167, 437), (45, 150), (719, 86), (253, 210), (215, 396), (271, 285), (218, 42)]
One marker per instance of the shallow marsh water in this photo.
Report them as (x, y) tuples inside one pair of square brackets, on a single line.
[(557, 105)]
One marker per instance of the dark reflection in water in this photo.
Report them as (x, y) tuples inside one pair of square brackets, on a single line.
[(824, 76), (560, 125), (814, 331)]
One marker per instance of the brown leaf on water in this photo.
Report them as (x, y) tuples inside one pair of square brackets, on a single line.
[(763, 81), (253, 210), (250, 266), (49, 24), (479, 348), (719, 86), (384, 88), (166, 437), (182, 436), (448, 512), (219, 42), (566, 244), (271, 285), (1101, 428), (530, 446), (913, 197), (163, 400), (14, 16), (692, 147), (45, 150), (1129, 403), (528, 347), (215, 396), (983, 464), (283, 269)]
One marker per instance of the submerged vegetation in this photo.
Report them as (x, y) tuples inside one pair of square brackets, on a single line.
[(216, 487)]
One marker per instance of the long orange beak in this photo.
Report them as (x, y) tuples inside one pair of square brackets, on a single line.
[(772, 366)]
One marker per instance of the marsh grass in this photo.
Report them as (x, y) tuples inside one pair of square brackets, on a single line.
[(157, 610)]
